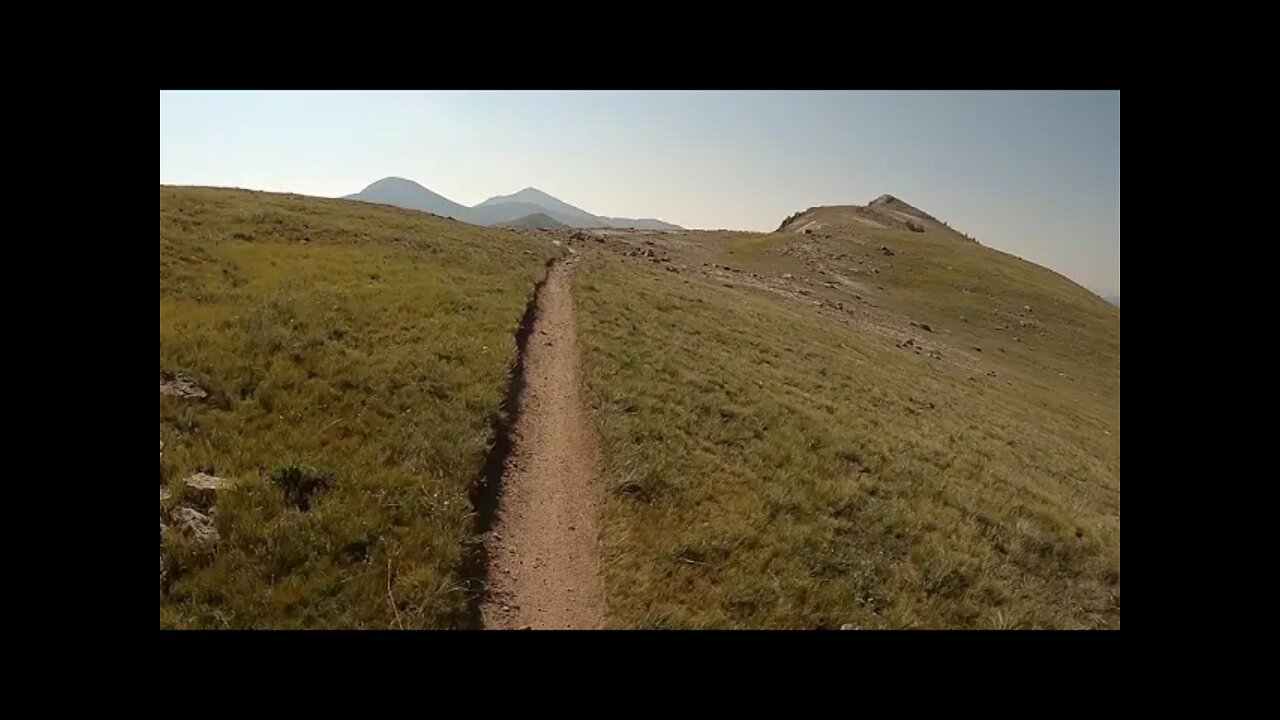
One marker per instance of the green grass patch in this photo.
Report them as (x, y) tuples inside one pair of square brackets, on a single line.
[(355, 358)]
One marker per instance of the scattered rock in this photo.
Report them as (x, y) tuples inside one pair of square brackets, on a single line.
[(975, 347), (885, 249), (991, 373), (672, 268), (923, 326), (180, 386), (849, 626), (206, 487), (786, 276), (1027, 308), (195, 525), (914, 226)]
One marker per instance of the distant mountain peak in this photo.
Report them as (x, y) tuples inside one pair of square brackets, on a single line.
[(501, 209)]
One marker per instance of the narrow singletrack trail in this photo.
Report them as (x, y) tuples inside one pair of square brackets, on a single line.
[(544, 559)]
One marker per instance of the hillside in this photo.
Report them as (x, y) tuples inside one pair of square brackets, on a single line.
[(865, 419), (851, 423), (641, 224), (536, 220), (337, 372)]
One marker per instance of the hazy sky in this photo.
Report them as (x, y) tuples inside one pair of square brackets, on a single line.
[(1036, 174)]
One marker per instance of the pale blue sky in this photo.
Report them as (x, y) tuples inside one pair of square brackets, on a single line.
[(1036, 174)]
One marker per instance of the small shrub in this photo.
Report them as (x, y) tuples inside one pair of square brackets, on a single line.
[(301, 483)]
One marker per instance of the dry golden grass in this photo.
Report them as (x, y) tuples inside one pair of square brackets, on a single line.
[(362, 344), (773, 455), (773, 462)]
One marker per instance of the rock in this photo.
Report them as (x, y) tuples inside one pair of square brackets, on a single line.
[(849, 626), (1027, 308), (914, 226), (975, 347), (923, 326), (839, 305), (672, 268), (207, 487), (180, 386), (786, 276), (991, 373), (885, 249), (195, 525), (164, 494)]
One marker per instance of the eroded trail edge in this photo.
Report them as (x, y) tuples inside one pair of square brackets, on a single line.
[(543, 553)]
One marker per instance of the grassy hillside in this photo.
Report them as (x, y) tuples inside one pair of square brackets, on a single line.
[(777, 454), (353, 359)]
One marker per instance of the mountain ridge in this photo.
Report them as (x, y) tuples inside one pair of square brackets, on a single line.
[(499, 209)]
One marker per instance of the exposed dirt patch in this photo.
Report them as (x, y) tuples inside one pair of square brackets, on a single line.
[(544, 560)]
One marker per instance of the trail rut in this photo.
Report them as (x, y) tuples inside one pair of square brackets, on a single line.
[(544, 560)]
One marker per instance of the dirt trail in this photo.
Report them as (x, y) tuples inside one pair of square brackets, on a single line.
[(544, 561)]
